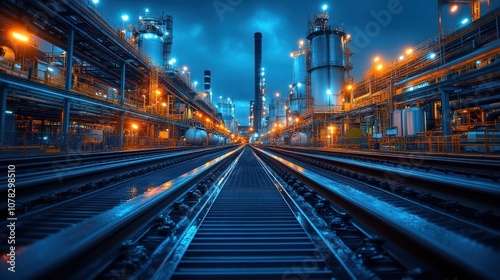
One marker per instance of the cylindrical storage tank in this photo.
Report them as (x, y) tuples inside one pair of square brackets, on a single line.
[(404, 124), (153, 34), (213, 139), (152, 45), (281, 110), (195, 136), (295, 106), (202, 134), (222, 140), (397, 120), (414, 121), (299, 139), (299, 67), (299, 81), (327, 68)]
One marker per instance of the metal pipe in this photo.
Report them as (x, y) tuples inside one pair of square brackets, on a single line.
[(69, 58), (491, 49), (122, 85), (477, 102), (492, 116)]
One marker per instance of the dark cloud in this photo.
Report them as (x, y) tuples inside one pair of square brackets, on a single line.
[(217, 35)]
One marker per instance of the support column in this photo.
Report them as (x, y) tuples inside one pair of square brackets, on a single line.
[(3, 107), (69, 59), (445, 117), (122, 86), (65, 125), (120, 131)]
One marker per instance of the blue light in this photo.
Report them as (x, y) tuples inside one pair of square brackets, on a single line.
[(465, 20), (432, 55), (324, 7)]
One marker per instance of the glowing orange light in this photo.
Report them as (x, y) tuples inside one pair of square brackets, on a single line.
[(453, 8), (20, 36), (380, 66)]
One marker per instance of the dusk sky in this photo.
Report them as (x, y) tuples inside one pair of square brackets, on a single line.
[(217, 35)]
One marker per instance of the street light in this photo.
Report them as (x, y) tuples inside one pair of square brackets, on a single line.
[(124, 18), (20, 37)]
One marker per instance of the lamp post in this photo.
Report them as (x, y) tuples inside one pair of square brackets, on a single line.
[(124, 18)]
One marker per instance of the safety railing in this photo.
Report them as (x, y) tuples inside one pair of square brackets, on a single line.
[(24, 143)]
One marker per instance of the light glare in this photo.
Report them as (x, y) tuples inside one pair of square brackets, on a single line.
[(20, 36)]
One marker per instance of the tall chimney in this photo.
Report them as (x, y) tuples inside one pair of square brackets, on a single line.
[(207, 84), (258, 95)]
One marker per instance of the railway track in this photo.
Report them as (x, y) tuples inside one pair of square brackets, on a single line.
[(468, 165), (479, 196), (36, 164), (44, 222), (442, 243), (93, 240), (71, 178), (255, 214), (250, 232)]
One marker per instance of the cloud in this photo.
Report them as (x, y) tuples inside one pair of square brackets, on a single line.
[(196, 30), (237, 53), (273, 29)]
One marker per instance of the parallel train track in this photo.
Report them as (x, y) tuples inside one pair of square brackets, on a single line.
[(266, 217)]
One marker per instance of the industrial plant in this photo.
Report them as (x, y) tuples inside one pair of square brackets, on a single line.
[(438, 96), (117, 164)]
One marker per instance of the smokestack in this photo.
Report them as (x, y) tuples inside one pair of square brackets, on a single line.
[(207, 84), (258, 95)]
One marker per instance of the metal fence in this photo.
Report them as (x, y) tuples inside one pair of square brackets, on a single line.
[(475, 142), (22, 143)]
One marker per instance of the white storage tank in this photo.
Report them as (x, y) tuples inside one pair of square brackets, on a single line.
[(298, 100), (195, 136), (397, 119), (213, 139), (327, 63), (414, 121)]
